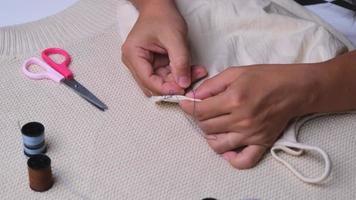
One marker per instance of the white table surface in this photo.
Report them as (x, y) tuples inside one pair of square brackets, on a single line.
[(22, 11)]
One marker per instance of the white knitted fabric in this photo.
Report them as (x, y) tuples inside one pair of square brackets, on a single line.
[(136, 149)]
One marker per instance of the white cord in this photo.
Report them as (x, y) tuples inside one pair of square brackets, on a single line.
[(289, 141), (300, 146)]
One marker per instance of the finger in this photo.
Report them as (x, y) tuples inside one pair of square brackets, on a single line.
[(137, 61), (160, 60), (198, 72), (225, 142), (164, 73), (208, 108), (167, 77), (219, 124), (144, 71), (153, 47), (146, 91), (174, 89), (214, 85), (179, 57), (247, 158)]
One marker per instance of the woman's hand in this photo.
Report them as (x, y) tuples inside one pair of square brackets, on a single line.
[(156, 50), (248, 107)]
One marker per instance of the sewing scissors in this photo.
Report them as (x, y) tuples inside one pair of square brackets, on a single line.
[(60, 73)]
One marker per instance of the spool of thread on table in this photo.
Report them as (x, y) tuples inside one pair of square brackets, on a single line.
[(40, 173), (33, 138)]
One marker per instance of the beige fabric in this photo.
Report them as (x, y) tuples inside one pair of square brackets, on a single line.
[(237, 33), (135, 150)]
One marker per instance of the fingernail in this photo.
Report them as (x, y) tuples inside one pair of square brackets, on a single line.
[(190, 94), (200, 73), (226, 157), (184, 81), (211, 137)]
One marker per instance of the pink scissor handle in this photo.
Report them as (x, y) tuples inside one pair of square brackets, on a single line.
[(48, 73), (62, 68)]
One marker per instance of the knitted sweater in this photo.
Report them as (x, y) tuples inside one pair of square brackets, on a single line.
[(136, 149)]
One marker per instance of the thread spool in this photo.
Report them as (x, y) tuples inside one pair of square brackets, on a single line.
[(33, 139), (40, 173)]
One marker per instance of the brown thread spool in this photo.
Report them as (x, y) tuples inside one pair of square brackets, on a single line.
[(40, 173)]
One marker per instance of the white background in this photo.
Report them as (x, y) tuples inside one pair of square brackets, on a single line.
[(22, 11)]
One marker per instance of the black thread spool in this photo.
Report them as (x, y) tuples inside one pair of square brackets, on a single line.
[(33, 139), (40, 173)]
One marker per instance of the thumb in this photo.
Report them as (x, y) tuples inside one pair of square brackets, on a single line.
[(213, 86), (247, 158), (179, 57)]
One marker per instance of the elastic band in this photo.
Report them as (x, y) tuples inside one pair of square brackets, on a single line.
[(286, 148)]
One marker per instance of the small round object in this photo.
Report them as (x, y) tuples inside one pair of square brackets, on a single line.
[(40, 173), (33, 129), (33, 138)]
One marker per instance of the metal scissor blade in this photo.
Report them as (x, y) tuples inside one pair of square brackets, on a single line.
[(85, 93)]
